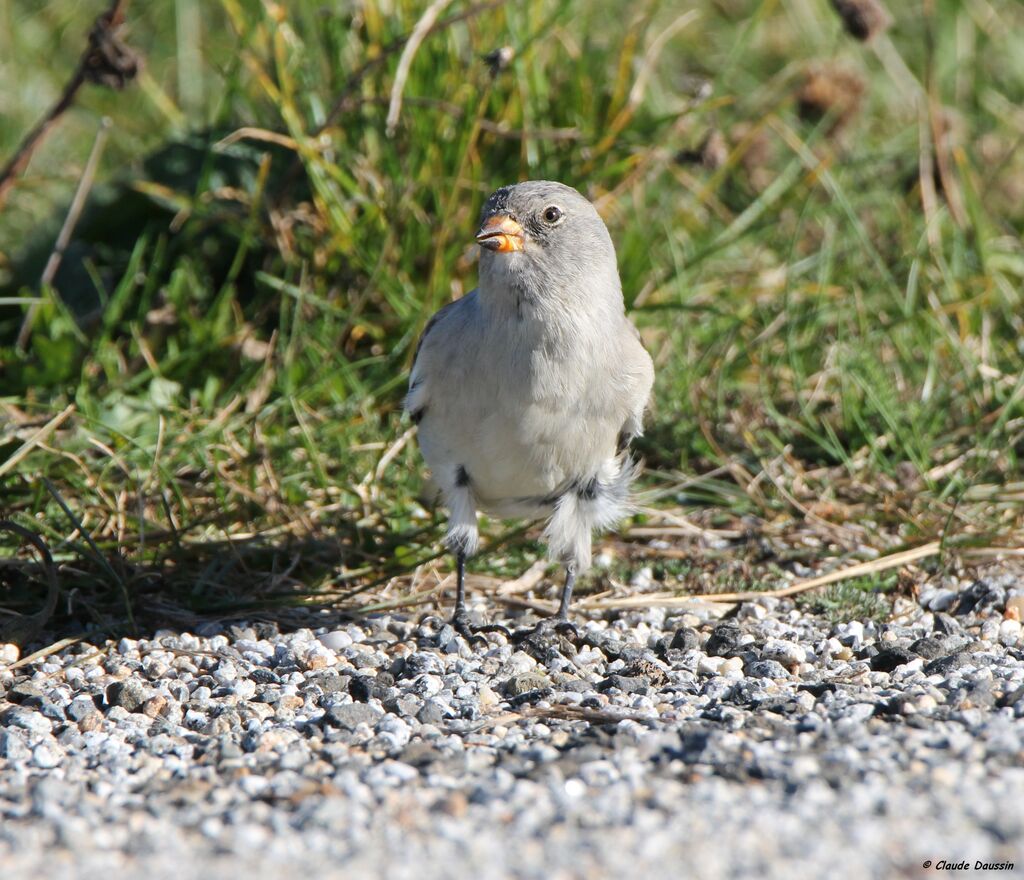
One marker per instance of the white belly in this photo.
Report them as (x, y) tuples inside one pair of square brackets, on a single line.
[(513, 451)]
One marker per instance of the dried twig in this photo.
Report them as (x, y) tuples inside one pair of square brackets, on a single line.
[(48, 651), (70, 222), (37, 438), (418, 35), (394, 46), (106, 61), (668, 600), (526, 581)]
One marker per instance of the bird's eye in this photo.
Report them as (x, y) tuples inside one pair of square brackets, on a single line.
[(552, 214)]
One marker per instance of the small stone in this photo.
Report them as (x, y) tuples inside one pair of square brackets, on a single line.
[(27, 719), (733, 666), (685, 639), (1015, 608), (364, 688), (244, 688), (1010, 633), (332, 683), (930, 647), (488, 699), (941, 600), (350, 715), (81, 706), (129, 694), (945, 624), (751, 611), (724, 640), (431, 713), (45, 756), (336, 641), (787, 653), (407, 706), (628, 684), (154, 706), (318, 657), (361, 688), (91, 721), (768, 669), (851, 634), (13, 746), (889, 659), (225, 672), (9, 653), (710, 665), (526, 682)]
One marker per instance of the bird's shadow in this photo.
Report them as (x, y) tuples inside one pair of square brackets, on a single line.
[(290, 581)]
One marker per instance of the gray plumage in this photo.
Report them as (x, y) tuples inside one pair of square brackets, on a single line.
[(528, 390)]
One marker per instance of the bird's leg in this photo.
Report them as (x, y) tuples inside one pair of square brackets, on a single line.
[(570, 581), (460, 619), (559, 622)]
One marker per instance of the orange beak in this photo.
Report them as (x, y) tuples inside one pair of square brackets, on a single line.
[(500, 233)]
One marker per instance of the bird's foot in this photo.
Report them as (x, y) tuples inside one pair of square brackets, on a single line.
[(474, 633), (546, 630)]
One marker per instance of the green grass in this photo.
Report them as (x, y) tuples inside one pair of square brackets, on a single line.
[(837, 333), (863, 598)]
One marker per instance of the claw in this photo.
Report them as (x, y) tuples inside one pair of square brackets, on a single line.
[(568, 628), (558, 626), (472, 633)]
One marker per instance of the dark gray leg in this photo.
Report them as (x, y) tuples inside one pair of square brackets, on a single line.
[(460, 619), (559, 621), (570, 580)]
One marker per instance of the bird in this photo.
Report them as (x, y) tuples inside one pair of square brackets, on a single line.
[(528, 391)]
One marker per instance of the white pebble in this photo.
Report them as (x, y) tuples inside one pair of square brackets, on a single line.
[(784, 652), (710, 665), (336, 641), (45, 756), (1009, 633)]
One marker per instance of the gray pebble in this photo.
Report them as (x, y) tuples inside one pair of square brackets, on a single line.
[(351, 715), (129, 694)]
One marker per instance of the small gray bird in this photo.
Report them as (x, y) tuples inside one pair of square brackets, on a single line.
[(528, 391)]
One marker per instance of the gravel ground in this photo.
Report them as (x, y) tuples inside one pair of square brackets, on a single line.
[(768, 744)]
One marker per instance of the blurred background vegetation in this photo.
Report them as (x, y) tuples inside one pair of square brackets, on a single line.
[(818, 211)]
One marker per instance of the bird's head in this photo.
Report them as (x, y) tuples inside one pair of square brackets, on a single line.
[(541, 232)]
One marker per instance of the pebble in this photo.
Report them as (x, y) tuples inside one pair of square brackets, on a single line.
[(526, 682), (383, 742), (784, 652), (1010, 633), (129, 694), (710, 665), (351, 715), (336, 641), (685, 638), (941, 600), (724, 640)]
